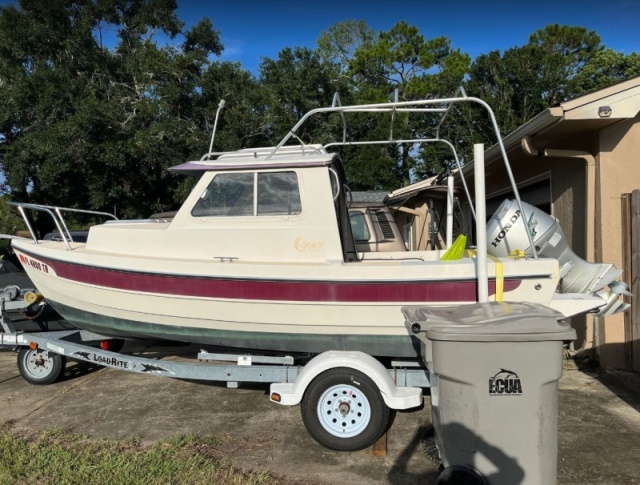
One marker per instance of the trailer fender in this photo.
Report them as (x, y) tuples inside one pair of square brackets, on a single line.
[(395, 397)]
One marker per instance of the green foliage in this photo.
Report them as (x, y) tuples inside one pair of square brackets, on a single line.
[(294, 84), (401, 59), (338, 43), (526, 80), (10, 222), (90, 127), (561, 51), (606, 68)]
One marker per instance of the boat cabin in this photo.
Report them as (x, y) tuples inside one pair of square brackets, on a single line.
[(292, 207)]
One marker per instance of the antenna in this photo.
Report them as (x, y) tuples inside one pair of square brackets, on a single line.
[(215, 124)]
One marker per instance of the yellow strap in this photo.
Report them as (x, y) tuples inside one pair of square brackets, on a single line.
[(499, 278), (499, 273)]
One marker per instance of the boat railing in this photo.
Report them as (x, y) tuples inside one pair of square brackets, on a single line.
[(417, 141), (56, 214), (437, 106), (264, 152), (442, 106)]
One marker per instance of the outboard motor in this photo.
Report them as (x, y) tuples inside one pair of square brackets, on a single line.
[(506, 233)]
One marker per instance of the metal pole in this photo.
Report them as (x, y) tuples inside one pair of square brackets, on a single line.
[(215, 124), (449, 238), (481, 223), (26, 221)]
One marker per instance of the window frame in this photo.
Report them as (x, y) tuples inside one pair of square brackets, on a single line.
[(255, 194)]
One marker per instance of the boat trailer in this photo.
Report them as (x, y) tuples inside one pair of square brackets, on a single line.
[(346, 397)]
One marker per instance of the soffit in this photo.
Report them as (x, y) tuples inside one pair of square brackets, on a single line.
[(573, 118)]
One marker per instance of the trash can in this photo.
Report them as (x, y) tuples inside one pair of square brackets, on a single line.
[(494, 375)]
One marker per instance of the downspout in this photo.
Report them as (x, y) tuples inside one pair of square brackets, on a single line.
[(589, 203)]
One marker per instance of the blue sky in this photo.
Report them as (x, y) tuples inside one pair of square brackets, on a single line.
[(252, 29)]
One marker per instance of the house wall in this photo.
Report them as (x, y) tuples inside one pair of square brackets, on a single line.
[(616, 151), (618, 173), (567, 196)]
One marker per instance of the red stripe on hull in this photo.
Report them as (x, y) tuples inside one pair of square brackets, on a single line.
[(275, 290)]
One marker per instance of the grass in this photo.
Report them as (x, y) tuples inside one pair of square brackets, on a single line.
[(57, 456)]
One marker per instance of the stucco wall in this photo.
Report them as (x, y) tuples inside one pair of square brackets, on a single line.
[(569, 207), (618, 173), (616, 151), (568, 200), (617, 157)]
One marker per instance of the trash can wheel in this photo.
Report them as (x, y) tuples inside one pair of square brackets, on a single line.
[(460, 475), (343, 410), (430, 447), (39, 367)]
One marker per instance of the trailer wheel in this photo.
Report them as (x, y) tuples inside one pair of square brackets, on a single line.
[(39, 368), (343, 410)]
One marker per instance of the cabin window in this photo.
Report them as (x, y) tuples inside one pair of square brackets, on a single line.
[(359, 226), (228, 194), (232, 194), (278, 194)]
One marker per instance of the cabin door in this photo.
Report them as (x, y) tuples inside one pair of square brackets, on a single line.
[(341, 202)]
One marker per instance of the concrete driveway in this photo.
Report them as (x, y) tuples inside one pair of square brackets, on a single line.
[(599, 437)]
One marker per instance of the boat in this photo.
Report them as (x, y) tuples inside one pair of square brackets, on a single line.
[(261, 256)]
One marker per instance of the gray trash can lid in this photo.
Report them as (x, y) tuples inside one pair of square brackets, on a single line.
[(497, 322)]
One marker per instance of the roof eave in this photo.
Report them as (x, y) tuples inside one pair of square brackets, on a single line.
[(585, 107), (542, 121)]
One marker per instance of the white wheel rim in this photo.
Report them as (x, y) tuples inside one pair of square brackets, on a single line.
[(37, 366), (344, 411)]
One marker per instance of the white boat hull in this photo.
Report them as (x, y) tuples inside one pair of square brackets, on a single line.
[(353, 310)]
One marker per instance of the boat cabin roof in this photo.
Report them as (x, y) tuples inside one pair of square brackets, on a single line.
[(259, 158)]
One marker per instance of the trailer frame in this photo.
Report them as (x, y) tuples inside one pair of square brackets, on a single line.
[(340, 382)]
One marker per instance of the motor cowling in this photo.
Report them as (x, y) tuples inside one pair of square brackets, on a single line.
[(507, 232)]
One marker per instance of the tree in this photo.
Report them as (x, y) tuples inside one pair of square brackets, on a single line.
[(243, 121), (526, 80), (402, 59), (563, 51), (48, 59), (606, 68), (89, 127), (339, 42), (511, 84), (10, 222), (294, 84)]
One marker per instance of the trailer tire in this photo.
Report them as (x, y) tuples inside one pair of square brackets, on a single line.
[(38, 370), (343, 410)]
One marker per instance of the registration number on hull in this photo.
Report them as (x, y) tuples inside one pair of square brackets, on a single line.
[(34, 263)]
